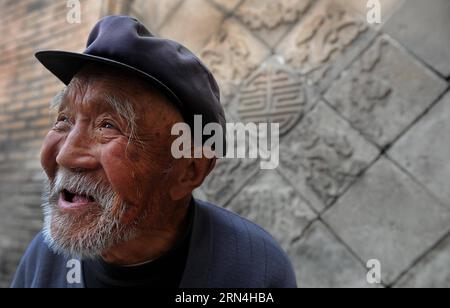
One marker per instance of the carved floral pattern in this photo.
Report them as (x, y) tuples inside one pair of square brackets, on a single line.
[(325, 160), (367, 92), (230, 58), (271, 14), (227, 178), (273, 204), (323, 37)]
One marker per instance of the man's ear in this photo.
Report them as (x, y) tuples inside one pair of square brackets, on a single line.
[(189, 174)]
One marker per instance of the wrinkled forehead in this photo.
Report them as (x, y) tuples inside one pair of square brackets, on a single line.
[(95, 81), (87, 101), (108, 89)]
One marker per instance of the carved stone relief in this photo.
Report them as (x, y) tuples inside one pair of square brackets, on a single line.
[(275, 205), (231, 55), (228, 5), (273, 94), (271, 19), (325, 42), (323, 155), (154, 13), (378, 96), (227, 178), (366, 93)]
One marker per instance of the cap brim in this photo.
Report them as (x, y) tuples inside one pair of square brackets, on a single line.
[(64, 65)]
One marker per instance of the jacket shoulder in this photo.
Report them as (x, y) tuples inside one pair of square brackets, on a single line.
[(254, 251), (38, 265)]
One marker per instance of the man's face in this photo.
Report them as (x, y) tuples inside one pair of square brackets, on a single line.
[(108, 162)]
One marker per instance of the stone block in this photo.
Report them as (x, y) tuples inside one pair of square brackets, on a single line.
[(384, 91), (424, 28), (324, 155), (389, 217), (321, 261), (271, 202), (424, 150)]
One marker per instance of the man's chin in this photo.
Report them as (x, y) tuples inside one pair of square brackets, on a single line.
[(72, 235)]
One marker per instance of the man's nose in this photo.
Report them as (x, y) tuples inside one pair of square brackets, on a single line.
[(77, 151)]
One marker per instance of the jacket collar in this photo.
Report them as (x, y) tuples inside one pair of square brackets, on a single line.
[(199, 261)]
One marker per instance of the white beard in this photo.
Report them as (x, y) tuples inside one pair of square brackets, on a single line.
[(95, 230)]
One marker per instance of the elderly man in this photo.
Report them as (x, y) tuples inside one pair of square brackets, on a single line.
[(118, 207)]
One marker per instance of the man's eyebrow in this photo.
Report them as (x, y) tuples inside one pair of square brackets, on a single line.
[(123, 108), (120, 106)]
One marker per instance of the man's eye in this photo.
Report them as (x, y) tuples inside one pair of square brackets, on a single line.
[(108, 125), (62, 119)]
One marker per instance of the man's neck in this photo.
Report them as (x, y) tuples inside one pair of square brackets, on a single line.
[(151, 243)]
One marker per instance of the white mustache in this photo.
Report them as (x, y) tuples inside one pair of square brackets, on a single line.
[(81, 184)]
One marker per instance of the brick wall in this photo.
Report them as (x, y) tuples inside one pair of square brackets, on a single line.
[(26, 89)]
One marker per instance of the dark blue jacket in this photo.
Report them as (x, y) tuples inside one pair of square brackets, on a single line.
[(226, 251)]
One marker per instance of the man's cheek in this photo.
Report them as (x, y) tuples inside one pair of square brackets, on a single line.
[(129, 170), (123, 177), (49, 152)]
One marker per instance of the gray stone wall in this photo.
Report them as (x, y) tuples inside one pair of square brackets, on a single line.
[(363, 111)]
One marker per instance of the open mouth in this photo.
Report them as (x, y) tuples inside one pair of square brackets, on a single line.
[(70, 200), (76, 198)]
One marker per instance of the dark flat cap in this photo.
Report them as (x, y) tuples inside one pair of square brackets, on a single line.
[(125, 43)]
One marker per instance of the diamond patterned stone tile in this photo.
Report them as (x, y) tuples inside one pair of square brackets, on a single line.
[(431, 271), (272, 203), (273, 94), (228, 177), (232, 54), (195, 14), (325, 42), (424, 150), (321, 261), (387, 8), (389, 217), (271, 20), (323, 155), (384, 91), (154, 13), (424, 28), (228, 5)]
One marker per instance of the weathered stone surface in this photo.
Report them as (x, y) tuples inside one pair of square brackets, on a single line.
[(273, 94), (232, 54), (388, 7), (228, 177), (387, 216), (270, 20), (384, 91), (154, 12), (424, 150), (228, 5), (323, 155), (194, 14), (325, 42), (424, 28), (321, 261), (431, 271), (272, 203)]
